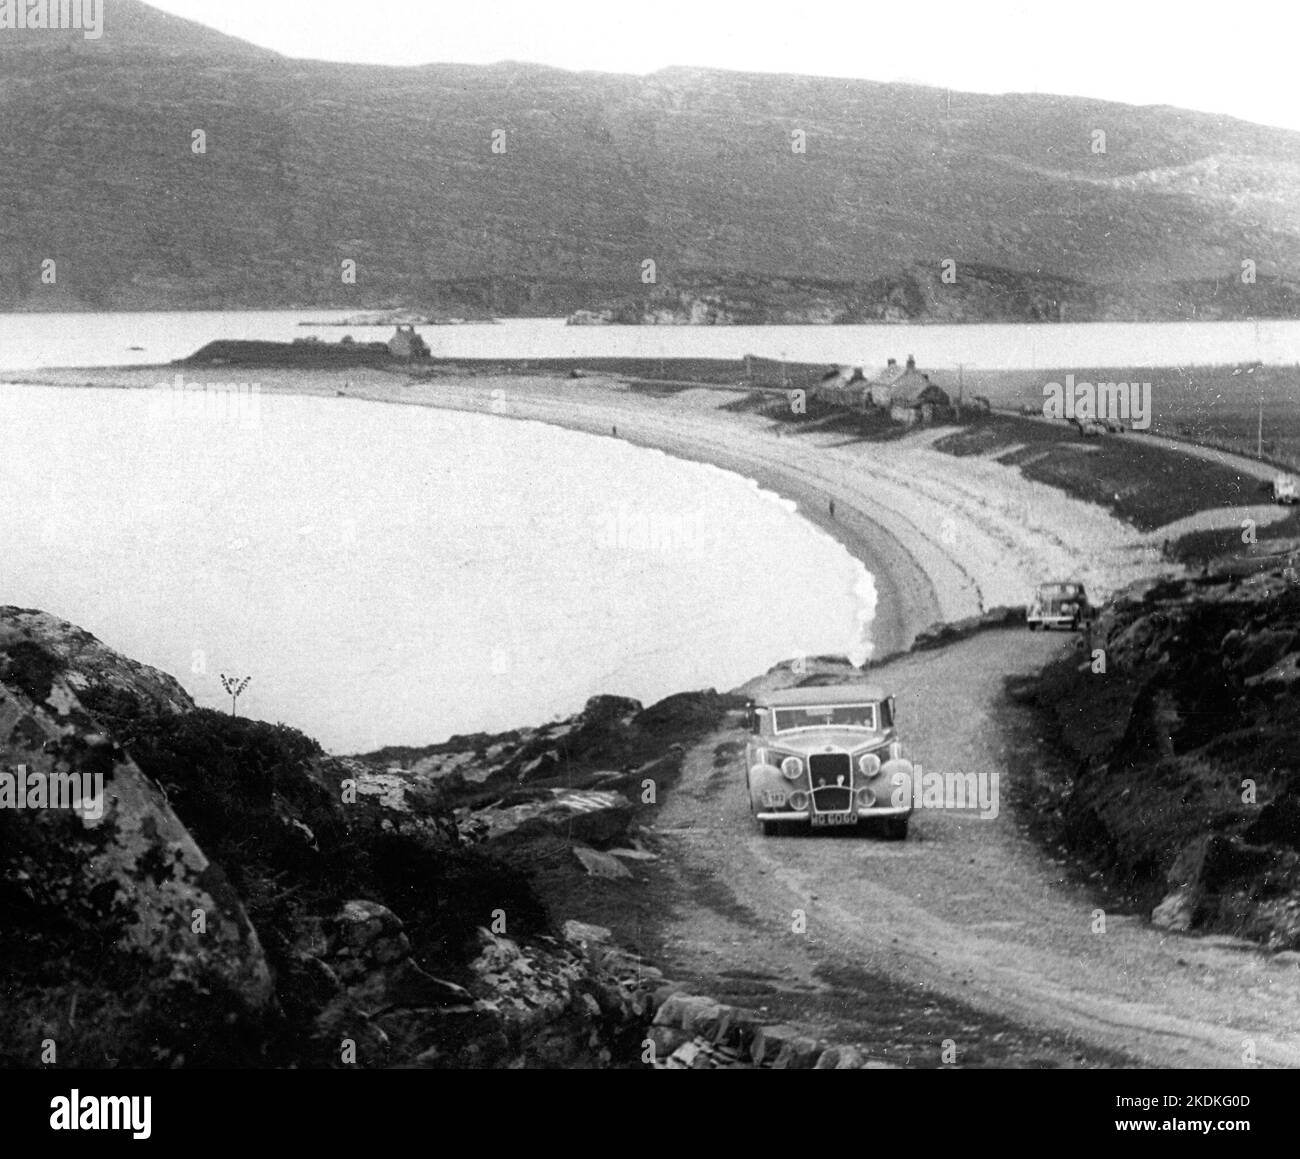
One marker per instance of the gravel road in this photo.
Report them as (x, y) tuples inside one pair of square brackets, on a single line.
[(967, 909)]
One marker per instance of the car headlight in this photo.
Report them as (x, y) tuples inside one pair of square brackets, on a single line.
[(900, 775), (791, 768), (866, 798), (869, 764), (798, 800)]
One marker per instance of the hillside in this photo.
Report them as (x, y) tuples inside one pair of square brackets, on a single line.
[(1177, 774), (308, 164)]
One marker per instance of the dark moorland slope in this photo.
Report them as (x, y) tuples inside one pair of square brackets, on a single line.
[(308, 164)]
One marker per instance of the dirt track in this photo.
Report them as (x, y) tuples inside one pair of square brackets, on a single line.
[(969, 910)]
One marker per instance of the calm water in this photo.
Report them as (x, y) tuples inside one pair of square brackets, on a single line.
[(29, 340), (393, 575)]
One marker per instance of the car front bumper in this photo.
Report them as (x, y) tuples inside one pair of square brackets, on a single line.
[(881, 811)]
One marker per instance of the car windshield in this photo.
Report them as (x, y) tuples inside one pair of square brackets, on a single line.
[(1059, 591), (826, 716)]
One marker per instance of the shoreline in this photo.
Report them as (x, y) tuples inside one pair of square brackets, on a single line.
[(944, 539), (906, 600)]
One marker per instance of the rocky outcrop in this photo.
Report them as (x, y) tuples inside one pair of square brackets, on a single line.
[(568, 1001), (693, 1032), (242, 898), (123, 943), (1183, 721), (91, 670), (942, 634), (238, 897), (918, 292)]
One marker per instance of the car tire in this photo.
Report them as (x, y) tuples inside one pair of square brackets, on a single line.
[(771, 828), (1034, 627), (896, 828)]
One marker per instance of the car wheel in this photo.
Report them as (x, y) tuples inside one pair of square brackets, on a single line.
[(896, 828), (771, 828), (1034, 627)]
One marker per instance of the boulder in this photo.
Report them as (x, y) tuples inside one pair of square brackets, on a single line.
[(145, 931), (390, 802), (665, 1040), (736, 1028), (681, 1009), (584, 934), (599, 864), (101, 678), (840, 1058), (770, 1041), (685, 1056), (594, 817), (1205, 868), (364, 935), (705, 1020), (1176, 911), (799, 1053)]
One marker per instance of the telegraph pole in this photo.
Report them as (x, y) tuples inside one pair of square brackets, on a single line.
[(1259, 431)]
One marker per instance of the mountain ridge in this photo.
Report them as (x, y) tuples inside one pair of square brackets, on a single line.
[(309, 164)]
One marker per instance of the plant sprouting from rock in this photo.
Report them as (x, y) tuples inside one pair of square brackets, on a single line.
[(234, 685)]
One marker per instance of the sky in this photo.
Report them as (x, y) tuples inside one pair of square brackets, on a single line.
[(1236, 59)]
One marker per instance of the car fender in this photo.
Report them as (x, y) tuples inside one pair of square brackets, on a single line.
[(762, 777), (898, 776)]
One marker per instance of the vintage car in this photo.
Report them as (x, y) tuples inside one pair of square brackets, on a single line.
[(827, 756), (1285, 490), (1058, 605)]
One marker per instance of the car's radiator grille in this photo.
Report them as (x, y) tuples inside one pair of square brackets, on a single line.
[(832, 782), (830, 769), (832, 800)]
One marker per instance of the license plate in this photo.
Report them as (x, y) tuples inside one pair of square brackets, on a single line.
[(773, 799), (819, 819)]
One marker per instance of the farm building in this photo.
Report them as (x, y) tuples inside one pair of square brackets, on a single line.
[(894, 379), (908, 394), (846, 387), (926, 404)]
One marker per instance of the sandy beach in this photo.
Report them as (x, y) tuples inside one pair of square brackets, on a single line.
[(945, 537)]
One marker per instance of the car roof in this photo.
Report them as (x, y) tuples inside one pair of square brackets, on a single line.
[(823, 694), (1058, 584)]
